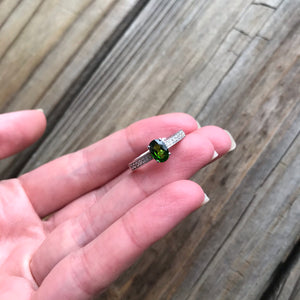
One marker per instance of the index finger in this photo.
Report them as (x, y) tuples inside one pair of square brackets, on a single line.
[(57, 183)]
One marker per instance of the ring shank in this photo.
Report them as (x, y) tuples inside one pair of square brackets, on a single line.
[(141, 160), (174, 139)]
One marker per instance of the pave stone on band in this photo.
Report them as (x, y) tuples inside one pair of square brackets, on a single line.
[(158, 149)]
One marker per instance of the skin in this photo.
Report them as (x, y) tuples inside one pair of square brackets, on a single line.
[(101, 216)]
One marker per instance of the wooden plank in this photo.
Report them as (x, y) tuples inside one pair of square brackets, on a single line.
[(257, 133), (286, 280), (16, 22), (196, 242), (49, 82), (265, 233), (6, 8), (253, 19), (218, 81), (50, 79), (283, 13), (43, 31), (291, 286), (272, 73), (123, 79)]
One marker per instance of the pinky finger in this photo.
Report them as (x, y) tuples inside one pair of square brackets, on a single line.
[(91, 269)]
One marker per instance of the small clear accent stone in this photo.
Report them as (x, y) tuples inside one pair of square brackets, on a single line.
[(159, 150)]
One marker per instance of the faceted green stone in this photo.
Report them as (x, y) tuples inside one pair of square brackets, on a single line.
[(159, 150)]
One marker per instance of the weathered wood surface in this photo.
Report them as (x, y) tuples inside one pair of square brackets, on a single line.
[(97, 66)]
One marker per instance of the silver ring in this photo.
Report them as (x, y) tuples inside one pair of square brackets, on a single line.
[(158, 149)]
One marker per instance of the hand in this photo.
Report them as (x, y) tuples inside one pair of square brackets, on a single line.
[(101, 216)]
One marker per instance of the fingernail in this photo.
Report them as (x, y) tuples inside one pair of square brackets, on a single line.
[(206, 199), (199, 126), (40, 109), (233, 143), (215, 155)]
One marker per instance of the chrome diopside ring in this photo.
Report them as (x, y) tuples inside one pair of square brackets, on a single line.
[(158, 149)]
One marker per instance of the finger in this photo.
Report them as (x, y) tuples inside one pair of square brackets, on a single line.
[(19, 130), (92, 268), (222, 139), (194, 152), (55, 184), (194, 145)]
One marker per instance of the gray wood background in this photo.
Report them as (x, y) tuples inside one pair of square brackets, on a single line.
[(95, 66)]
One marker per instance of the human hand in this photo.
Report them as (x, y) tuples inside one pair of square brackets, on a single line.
[(102, 216)]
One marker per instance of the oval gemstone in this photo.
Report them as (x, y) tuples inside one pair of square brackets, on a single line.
[(159, 150)]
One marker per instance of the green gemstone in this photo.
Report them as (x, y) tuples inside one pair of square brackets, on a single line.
[(159, 150)]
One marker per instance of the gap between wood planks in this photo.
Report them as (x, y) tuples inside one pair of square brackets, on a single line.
[(281, 274), (75, 88)]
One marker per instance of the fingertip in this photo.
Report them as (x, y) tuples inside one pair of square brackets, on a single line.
[(42, 120), (32, 124), (41, 110), (194, 193), (187, 192), (197, 148), (232, 141), (19, 130), (220, 138), (185, 119)]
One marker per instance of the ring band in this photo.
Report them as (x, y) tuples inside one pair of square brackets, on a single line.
[(158, 149)]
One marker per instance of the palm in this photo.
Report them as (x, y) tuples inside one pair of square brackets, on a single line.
[(102, 217), (21, 233)]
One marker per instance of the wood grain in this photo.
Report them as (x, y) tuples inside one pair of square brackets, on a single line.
[(285, 282), (65, 67), (97, 66)]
